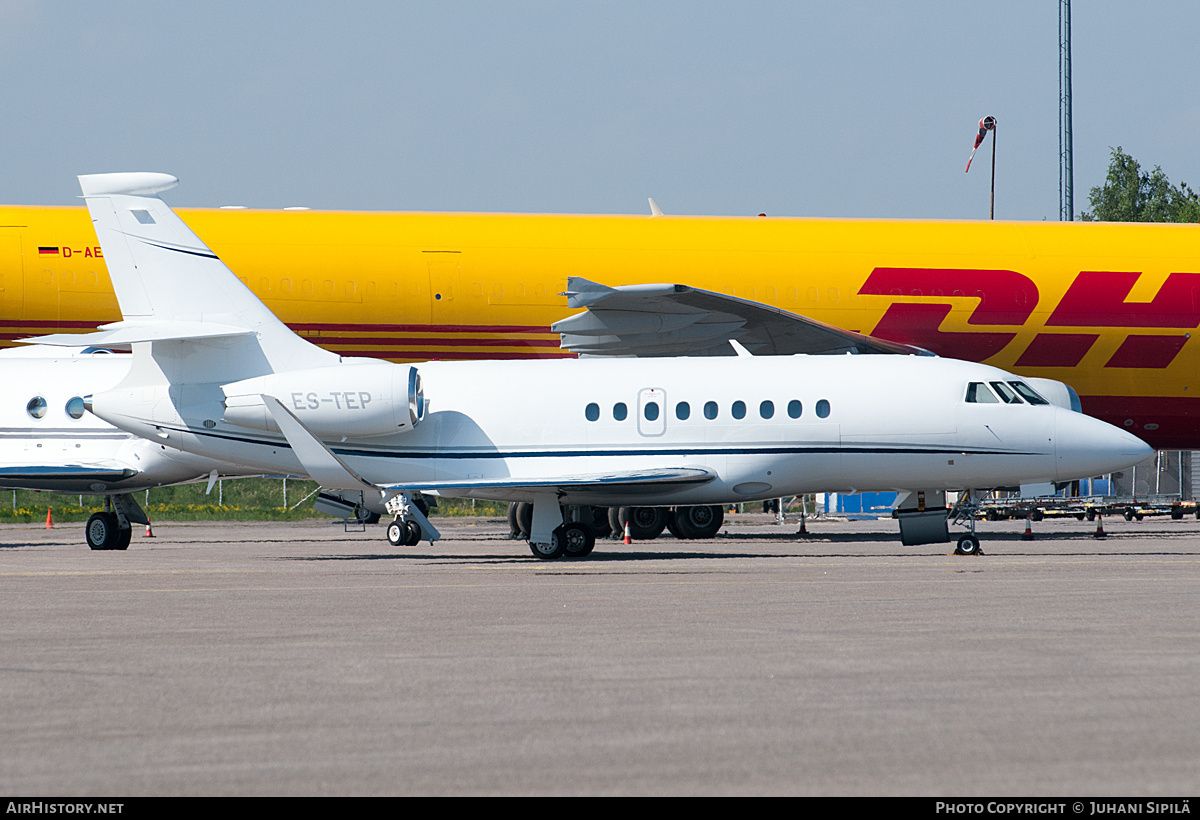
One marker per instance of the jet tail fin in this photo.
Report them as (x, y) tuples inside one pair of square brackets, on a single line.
[(165, 276)]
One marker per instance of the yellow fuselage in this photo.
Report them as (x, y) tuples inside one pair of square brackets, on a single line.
[(1107, 308)]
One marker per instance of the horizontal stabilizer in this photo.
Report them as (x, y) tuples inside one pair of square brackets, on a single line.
[(676, 320), (121, 335)]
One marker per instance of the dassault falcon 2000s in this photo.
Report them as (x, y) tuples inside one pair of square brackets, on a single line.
[(215, 373), (1109, 308)]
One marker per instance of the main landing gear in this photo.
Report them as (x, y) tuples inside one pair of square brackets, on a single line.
[(112, 529), (104, 532)]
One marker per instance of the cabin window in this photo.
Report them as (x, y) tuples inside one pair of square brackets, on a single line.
[(592, 412), (620, 411), (823, 409), (766, 409), (795, 409), (36, 407), (75, 408), (710, 410), (650, 411), (739, 409), (683, 411), (1006, 393), (978, 393), (1028, 393)]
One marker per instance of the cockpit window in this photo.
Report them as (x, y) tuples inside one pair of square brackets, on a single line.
[(1028, 393), (1006, 393), (978, 393)]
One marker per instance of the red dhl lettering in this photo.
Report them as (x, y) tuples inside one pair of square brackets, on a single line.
[(1094, 299)]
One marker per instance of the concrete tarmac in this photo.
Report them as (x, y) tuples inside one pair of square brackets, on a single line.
[(295, 659)]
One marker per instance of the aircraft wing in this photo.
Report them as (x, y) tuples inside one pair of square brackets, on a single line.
[(678, 320), (629, 481), (63, 477)]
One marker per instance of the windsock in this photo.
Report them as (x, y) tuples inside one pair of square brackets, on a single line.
[(986, 124)]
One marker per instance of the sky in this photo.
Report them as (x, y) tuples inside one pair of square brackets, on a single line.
[(846, 109)]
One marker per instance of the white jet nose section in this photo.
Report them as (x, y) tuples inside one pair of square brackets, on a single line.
[(1087, 447)]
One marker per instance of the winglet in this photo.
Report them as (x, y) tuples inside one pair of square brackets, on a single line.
[(654, 209)]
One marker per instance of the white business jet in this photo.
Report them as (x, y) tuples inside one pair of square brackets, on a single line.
[(49, 442), (216, 374)]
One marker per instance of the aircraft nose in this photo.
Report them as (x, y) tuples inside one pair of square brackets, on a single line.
[(1087, 447)]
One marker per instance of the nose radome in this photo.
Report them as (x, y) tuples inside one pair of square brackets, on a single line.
[(1087, 447)]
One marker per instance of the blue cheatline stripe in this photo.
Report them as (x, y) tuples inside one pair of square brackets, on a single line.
[(797, 449)]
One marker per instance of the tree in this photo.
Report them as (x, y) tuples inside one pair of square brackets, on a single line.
[(1131, 195)]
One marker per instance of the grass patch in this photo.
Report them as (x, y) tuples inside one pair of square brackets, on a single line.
[(243, 499)]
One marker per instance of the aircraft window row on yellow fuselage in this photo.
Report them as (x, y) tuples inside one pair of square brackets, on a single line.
[(683, 410)]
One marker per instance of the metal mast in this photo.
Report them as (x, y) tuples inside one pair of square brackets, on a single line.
[(1066, 174)]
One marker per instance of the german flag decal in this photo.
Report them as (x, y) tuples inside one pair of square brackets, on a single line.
[(45, 251)]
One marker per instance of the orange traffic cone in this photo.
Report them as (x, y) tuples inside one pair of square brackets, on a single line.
[(1028, 536), (803, 529), (49, 520), (628, 537), (1100, 533), (149, 532)]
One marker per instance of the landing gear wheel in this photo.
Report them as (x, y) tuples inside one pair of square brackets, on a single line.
[(103, 532), (124, 535), (645, 523), (514, 529), (599, 521), (697, 522), (614, 522), (968, 545), (554, 549), (412, 533), (525, 518), (577, 539), (396, 533)]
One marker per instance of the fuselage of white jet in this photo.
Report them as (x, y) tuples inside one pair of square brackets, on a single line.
[(745, 427), (48, 441)]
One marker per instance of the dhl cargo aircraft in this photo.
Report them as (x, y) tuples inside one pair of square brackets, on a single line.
[(1106, 308)]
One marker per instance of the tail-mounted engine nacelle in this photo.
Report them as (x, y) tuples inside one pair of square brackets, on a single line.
[(369, 399)]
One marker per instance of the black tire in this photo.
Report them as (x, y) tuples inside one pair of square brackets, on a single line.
[(102, 531), (1177, 513), (698, 522), (525, 518), (577, 539), (967, 545), (1036, 515), (600, 525), (412, 533), (364, 516), (514, 529), (548, 552), (1091, 515), (673, 526), (614, 521), (1128, 513), (124, 536), (645, 523), (396, 533)]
